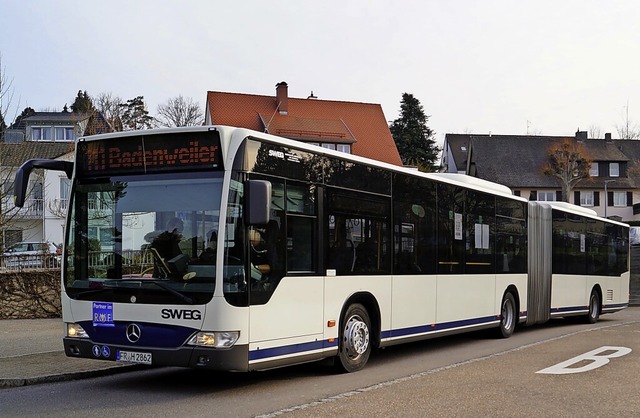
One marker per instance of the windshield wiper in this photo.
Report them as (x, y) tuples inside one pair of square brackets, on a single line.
[(96, 290), (157, 283), (114, 284)]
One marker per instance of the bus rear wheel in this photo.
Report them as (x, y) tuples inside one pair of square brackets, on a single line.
[(354, 347), (594, 308), (507, 316)]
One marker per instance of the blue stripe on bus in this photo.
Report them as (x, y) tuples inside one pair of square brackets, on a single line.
[(291, 349), (585, 308), (615, 306), (266, 353), (569, 309), (424, 329)]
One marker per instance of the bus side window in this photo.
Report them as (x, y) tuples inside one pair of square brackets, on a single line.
[(359, 233), (300, 244)]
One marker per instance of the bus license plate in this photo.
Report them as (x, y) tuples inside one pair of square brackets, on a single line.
[(133, 357)]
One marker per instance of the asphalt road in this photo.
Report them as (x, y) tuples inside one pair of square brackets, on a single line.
[(472, 375)]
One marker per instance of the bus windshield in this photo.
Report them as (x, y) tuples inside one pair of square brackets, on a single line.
[(144, 239)]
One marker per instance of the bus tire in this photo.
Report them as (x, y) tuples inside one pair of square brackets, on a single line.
[(354, 346), (508, 317), (594, 308)]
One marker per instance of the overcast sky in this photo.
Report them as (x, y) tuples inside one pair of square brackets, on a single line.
[(505, 67)]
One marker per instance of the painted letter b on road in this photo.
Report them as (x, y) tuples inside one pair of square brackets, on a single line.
[(593, 359)]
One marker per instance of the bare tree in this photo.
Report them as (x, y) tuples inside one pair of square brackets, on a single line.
[(179, 111), (109, 106), (595, 132), (11, 156), (569, 162), (628, 129), (6, 97)]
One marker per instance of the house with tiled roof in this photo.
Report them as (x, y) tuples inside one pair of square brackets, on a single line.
[(47, 135), (352, 127), (518, 161)]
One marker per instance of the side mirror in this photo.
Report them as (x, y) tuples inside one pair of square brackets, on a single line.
[(257, 202), (23, 173)]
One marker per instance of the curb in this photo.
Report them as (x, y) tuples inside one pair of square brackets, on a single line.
[(18, 382)]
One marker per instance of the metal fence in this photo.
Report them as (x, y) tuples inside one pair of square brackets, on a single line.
[(131, 260)]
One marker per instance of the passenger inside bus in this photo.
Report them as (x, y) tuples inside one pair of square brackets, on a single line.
[(165, 245), (208, 255), (263, 250)]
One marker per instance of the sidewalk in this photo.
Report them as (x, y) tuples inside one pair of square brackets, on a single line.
[(31, 352)]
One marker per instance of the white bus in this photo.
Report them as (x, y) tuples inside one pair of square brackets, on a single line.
[(230, 249)]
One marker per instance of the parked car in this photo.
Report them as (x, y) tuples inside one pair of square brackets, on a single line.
[(32, 255)]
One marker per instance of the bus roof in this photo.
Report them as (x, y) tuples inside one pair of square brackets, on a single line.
[(461, 180), (578, 210)]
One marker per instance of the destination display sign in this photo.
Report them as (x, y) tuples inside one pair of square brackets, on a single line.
[(150, 154)]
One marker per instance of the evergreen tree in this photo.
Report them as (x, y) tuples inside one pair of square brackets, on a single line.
[(414, 139), (135, 114), (82, 103)]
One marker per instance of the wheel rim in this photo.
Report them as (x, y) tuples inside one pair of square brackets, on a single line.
[(356, 337), (507, 314)]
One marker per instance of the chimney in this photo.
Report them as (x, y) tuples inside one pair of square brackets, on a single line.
[(607, 137), (282, 98), (581, 135)]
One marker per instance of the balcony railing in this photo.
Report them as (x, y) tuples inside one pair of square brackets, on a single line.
[(32, 209)]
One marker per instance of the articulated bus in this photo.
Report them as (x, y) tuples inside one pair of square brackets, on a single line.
[(223, 248)]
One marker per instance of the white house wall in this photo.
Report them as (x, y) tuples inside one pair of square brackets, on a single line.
[(626, 212), (53, 229)]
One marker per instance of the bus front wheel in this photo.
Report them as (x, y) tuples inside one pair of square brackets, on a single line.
[(594, 308), (354, 346), (508, 316)]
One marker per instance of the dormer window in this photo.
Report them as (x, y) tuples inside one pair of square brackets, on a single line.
[(593, 171), (42, 134), (52, 133), (614, 170)]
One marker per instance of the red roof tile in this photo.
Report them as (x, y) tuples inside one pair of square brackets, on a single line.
[(362, 125)]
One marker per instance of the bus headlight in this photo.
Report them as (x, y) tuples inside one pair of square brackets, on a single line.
[(214, 339), (76, 331)]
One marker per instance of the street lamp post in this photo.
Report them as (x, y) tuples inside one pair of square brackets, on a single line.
[(606, 196)]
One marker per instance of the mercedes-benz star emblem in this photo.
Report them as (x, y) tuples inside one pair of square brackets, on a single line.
[(133, 333)]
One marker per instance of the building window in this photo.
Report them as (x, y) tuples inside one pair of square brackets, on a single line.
[(586, 198), (50, 133), (44, 133), (64, 133), (593, 171), (619, 199), (547, 196), (614, 169), (344, 148), (329, 146), (65, 189)]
